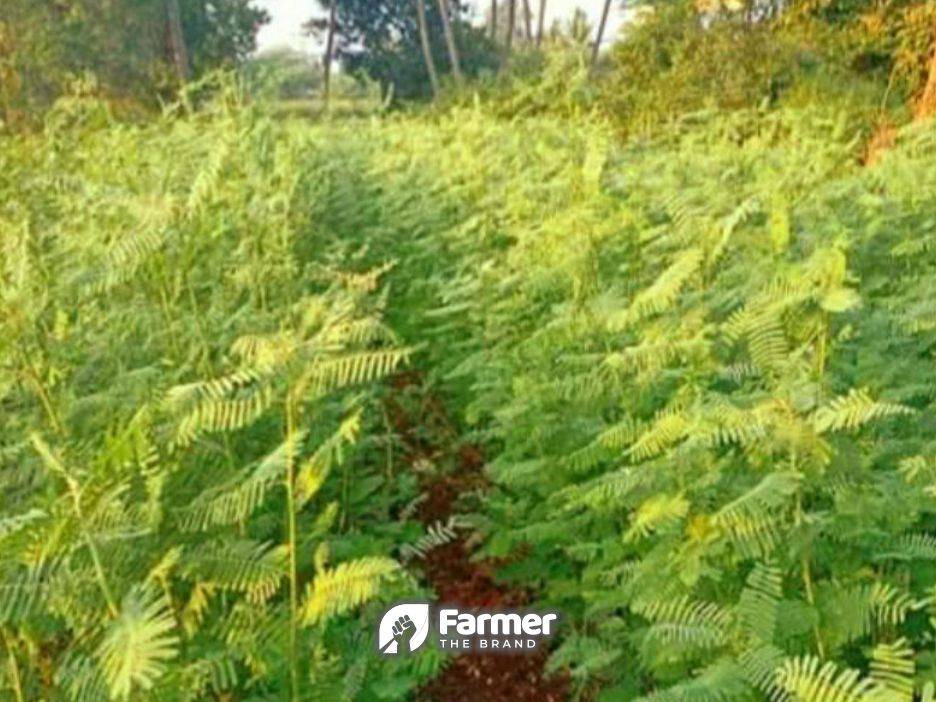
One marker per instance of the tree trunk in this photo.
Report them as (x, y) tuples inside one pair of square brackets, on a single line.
[(528, 20), (493, 20), (329, 48), (601, 31), (177, 40), (511, 22), (426, 49), (450, 40), (542, 23)]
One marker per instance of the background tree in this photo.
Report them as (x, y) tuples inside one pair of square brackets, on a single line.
[(511, 22), (541, 23), (527, 21), (602, 24), (329, 47), (176, 34), (451, 44), (129, 49), (220, 33), (381, 40), (497, 18), (426, 48)]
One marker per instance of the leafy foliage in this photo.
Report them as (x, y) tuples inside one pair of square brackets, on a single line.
[(702, 379), (379, 39), (194, 497), (119, 49), (700, 365), (137, 645)]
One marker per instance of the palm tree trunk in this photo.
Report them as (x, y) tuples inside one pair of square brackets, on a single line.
[(329, 48), (493, 20), (426, 49), (450, 40), (528, 20), (511, 22), (177, 40), (601, 31), (542, 23)]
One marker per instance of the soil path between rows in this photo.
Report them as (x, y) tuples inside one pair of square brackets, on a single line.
[(428, 435)]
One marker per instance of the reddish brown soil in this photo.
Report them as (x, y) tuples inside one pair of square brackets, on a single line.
[(459, 579)]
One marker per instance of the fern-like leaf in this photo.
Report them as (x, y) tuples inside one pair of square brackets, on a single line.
[(138, 644), (345, 587), (854, 410)]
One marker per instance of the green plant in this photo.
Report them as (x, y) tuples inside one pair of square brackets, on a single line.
[(191, 490), (700, 367)]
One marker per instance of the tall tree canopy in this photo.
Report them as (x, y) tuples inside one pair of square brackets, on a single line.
[(123, 44), (381, 39)]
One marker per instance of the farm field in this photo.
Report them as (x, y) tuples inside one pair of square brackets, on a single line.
[(467, 358), (241, 352)]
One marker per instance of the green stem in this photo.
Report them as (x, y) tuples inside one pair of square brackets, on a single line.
[(75, 492), (345, 494), (99, 569), (163, 287), (822, 353), (196, 315), (14, 668), (46, 401), (389, 428), (32, 373), (805, 565), (807, 570), (291, 536)]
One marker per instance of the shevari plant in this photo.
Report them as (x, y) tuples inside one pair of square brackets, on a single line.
[(189, 506), (700, 366)]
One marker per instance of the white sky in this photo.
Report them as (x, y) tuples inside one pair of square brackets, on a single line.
[(287, 17)]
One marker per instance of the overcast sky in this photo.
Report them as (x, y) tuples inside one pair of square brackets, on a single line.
[(287, 17)]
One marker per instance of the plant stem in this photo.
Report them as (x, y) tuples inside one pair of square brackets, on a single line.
[(35, 380), (75, 492), (291, 537), (345, 495), (14, 668), (196, 315), (389, 428), (92, 549), (164, 305), (46, 402), (804, 563)]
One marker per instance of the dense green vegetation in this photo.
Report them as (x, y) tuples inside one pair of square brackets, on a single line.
[(680, 299), (195, 483), (701, 365)]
